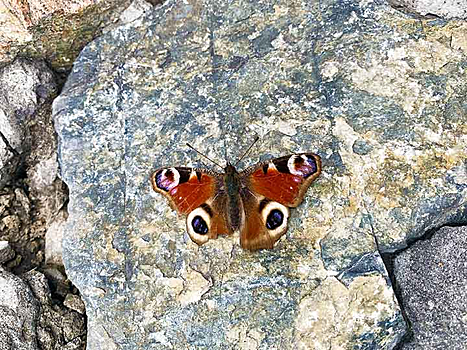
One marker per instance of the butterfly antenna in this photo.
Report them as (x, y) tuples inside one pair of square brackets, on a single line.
[(225, 153), (205, 156), (247, 151)]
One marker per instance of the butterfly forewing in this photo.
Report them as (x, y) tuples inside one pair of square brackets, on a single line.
[(186, 188), (285, 179)]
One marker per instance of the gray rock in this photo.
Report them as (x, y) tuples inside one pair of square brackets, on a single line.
[(53, 239), (25, 85), (57, 326), (6, 253), (74, 302), (447, 9), (58, 280), (30, 320), (431, 276), (16, 211), (34, 196), (18, 313), (379, 100)]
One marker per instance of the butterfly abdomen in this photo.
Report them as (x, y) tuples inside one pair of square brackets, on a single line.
[(233, 185)]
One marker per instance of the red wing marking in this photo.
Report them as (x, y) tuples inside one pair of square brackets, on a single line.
[(189, 195), (280, 187)]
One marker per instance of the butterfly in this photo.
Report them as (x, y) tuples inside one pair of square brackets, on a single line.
[(254, 201)]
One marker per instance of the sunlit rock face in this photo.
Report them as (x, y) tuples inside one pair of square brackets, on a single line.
[(379, 95)]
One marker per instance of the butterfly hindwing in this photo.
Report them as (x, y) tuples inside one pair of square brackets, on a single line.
[(194, 192), (265, 222)]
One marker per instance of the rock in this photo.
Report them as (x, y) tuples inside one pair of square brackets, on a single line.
[(34, 195), (74, 302), (53, 239), (9, 158), (6, 253), (57, 326), (25, 86), (18, 313), (44, 173), (16, 212), (38, 284), (447, 9), (380, 102), (431, 276), (58, 280), (31, 196), (42, 28)]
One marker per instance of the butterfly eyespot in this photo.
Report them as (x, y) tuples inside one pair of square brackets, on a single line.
[(302, 165), (199, 225), (167, 179), (274, 219)]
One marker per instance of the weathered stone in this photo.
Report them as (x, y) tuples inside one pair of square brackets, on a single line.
[(57, 326), (358, 83), (38, 284), (6, 253), (57, 280), (74, 302), (34, 195), (53, 239), (25, 85), (18, 313), (42, 28), (447, 9), (432, 276)]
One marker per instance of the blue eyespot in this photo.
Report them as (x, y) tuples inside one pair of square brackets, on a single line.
[(199, 225), (274, 219)]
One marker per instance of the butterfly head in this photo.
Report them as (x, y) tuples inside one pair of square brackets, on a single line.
[(229, 168)]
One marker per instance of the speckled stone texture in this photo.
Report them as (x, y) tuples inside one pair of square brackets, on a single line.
[(25, 86), (447, 9), (378, 94), (18, 313), (432, 277)]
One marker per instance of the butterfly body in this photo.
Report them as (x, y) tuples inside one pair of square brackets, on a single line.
[(233, 187), (254, 201)]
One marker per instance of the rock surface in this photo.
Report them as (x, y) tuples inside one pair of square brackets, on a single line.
[(202, 73), (447, 9), (31, 193), (431, 276), (29, 319), (57, 326), (54, 30), (380, 99), (18, 313), (53, 239), (29, 203), (25, 86), (6, 253)]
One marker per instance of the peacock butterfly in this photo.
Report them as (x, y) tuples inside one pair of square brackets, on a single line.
[(254, 201)]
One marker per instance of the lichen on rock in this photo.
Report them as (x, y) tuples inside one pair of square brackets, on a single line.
[(379, 99)]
